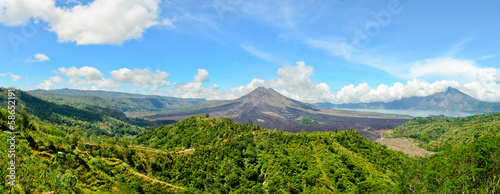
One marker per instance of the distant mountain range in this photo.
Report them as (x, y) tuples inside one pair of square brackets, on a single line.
[(270, 109), (125, 102), (449, 100)]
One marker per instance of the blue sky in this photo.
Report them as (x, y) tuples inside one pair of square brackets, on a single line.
[(336, 51)]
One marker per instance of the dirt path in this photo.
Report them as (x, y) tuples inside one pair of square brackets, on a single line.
[(186, 151), (405, 146), (177, 188)]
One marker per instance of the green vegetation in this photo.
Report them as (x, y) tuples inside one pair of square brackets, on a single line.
[(232, 157), (113, 100), (438, 133), (200, 154), (101, 122), (468, 160), (473, 168), (307, 120), (49, 159)]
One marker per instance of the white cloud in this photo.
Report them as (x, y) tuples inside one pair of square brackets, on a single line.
[(242, 90), (86, 78), (295, 82), (15, 78), (57, 79), (195, 89), (46, 85), (202, 76), (141, 77), (49, 83), (90, 73), (451, 68), (39, 57), (384, 93), (415, 87), (104, 83), (99, 22)]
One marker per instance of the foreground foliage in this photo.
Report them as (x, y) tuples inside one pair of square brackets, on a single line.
[(210, 155)]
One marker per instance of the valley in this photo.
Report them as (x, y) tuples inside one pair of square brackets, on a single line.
[(86, 150)]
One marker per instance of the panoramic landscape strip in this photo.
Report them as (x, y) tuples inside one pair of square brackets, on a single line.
[(234, 96)]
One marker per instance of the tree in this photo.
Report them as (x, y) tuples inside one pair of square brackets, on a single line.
[(207, 115)]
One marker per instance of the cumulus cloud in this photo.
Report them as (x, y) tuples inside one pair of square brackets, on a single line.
[(295, 83), (142, 77), (242, 90), (49, 83), (57, 79), (86, 78), (15, 78), (453, 68), (39, 57), (202, 76), (99, 22), (384, 93), (46, 85), (90, 73), (195, 89)]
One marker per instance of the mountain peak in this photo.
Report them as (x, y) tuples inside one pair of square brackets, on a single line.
[(263, 94), (267, 96), (262, 90), (452, 89)]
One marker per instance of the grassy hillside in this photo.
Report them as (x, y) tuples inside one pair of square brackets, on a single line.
[(50, 159), (468, 156), (437, 133), (471, 168), (91, 121), (231, 157), (114, 100)]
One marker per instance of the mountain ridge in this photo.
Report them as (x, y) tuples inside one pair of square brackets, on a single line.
[(451, 99), (125, 102)]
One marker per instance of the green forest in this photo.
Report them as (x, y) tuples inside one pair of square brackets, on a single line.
[(307, 120), (73, 150)]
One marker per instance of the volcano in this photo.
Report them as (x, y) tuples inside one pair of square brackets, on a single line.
[(269, 109)]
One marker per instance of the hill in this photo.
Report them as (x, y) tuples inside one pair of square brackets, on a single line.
[(438, 133), (449, 100), (90, 121), (125, 102), (251, 159), (467, 155), (231, 157), (270, 109)]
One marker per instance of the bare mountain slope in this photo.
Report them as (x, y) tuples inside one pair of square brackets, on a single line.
[(270, 109)]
